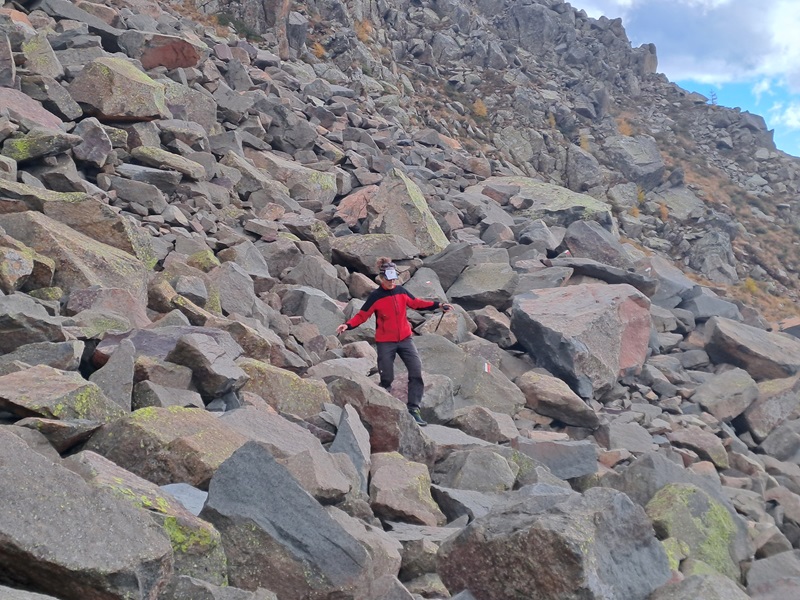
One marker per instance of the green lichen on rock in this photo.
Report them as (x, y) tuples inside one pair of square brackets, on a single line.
[(185, 539), (47, 293), (203, 260), (676, 550), (690, 515)]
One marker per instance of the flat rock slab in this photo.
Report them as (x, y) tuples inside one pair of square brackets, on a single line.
[(24, 106), (119, 553), (555, 205), (565, 459), (762, 354), (43, 391), (158, 343)]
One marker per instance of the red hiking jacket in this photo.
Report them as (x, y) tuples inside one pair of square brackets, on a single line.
[(389, 307)]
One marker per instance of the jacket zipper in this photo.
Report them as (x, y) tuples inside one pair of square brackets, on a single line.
[(397, 315)]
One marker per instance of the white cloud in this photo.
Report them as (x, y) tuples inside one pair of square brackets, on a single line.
[(762, 87), (787, 115)]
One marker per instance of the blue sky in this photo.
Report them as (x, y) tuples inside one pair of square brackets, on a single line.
[(746, 51)]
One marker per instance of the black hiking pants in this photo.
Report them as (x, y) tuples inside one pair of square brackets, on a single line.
[(408, 354)]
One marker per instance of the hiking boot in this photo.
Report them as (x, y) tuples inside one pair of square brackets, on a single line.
[(414, 412)]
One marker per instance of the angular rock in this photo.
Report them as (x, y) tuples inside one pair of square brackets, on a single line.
[(294, 447), (638, 158), (23, 321), (38, 143), (595, 545), (564, 459), (156, 50), (120, 551), (214, 372), (586, 334), (400, 489), (196, 545), (588, 239), (479, 470), (146, 393), (65, 356), (777, 400), (62, 435), (687, 513), (485, 424), (281, 538), (552, 397), (391, 428), (707, 445), (762, 354), (709, 586), (43, 391), (315, 307), (115, 378), (352, 439), (81, 262), (304, 184), (483, 284), (554, 204), (96, 145), (361, 252), (28, 108), (113, 89), (283, 390), (399, 207), (728, 394), (168, 445)]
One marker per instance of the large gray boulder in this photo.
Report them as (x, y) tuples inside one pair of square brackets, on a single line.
[(60, 536), (728, 394), (399, 207), (483, 284), (594, 546), (764, 355), (638, 158), (314, 306), (475, 381), (588, 239), (24, 321), (777, 400), (278, 537), (587, 334)]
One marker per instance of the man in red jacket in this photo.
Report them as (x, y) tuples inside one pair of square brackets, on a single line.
[(393, 331)]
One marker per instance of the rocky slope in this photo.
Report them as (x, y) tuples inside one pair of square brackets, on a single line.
[(187, 215)]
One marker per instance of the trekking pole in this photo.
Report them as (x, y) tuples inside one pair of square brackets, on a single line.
[(444, 312)]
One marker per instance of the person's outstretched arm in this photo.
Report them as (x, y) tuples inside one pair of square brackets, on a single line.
[(360, 317)]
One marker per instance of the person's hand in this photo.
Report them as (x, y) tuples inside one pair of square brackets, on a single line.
[(446, 307), (341, 329)]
